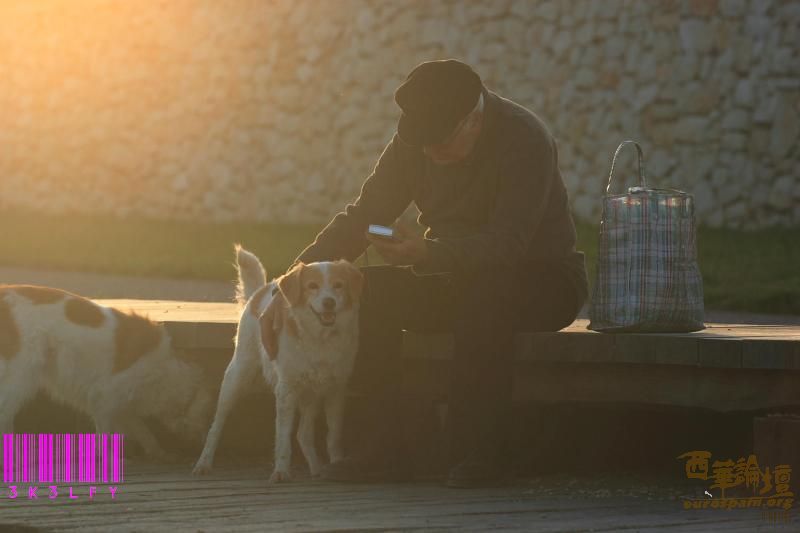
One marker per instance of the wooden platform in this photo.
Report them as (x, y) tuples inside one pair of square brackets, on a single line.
[(726, 367), (212, 325), (238, 499)]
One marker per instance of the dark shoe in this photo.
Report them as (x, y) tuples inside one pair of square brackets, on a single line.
[(474, 474), (358, 470)]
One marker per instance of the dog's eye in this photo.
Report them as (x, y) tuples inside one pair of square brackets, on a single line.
[(338, 285), (313, 286)]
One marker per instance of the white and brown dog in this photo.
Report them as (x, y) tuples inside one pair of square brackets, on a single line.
[(118, 368), (301, 330)]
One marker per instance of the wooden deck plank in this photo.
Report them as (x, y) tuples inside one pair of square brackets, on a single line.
[(770, 353), (719, 389), (209, 328), (559, 346), (240, 500), (720, 353), (227, 313), (178, 311), (669, 385)]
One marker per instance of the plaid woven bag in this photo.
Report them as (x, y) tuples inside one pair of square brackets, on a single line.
[(647, 278)]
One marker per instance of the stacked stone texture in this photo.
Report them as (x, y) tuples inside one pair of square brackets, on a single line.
[(277, 110)]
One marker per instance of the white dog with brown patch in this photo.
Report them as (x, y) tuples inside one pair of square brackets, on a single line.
[(116, 367), (302, 331)]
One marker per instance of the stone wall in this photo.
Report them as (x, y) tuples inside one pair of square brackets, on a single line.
[(277, 110)]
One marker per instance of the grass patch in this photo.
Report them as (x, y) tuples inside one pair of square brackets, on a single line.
[(755, 271), (742, 271), (150, 248), (751, 271)]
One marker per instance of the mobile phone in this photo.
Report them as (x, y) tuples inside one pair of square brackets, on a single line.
[(382, 232)]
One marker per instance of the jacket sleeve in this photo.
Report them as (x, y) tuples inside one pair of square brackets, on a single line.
[(526, 177), (385, 194)]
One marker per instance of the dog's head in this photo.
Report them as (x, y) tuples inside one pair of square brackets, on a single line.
[(323, 297), (323, 291)]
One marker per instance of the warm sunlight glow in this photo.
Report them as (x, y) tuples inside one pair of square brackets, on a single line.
[(121, 99)]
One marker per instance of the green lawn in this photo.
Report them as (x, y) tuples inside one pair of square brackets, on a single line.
[(145, 247), (743, 271)]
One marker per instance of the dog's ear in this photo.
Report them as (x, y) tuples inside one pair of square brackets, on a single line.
[(355, 281), (290, 284), (271, 322)]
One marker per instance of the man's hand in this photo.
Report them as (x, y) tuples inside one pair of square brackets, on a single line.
[(407, 249)]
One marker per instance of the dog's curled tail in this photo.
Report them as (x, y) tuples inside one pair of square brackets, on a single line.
[(252, 275)]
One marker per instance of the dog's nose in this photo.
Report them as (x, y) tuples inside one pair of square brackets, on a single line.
[(328, 304)]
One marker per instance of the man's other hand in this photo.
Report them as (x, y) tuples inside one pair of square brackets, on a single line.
[(407, 248)]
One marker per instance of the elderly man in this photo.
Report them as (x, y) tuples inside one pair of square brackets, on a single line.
[(498, 256)]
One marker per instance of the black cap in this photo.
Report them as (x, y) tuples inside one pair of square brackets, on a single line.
[(435, 97)]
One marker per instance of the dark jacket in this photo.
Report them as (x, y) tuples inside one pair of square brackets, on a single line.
[(505, 205)]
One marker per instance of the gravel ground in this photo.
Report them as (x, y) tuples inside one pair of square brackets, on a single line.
[(108, 286)]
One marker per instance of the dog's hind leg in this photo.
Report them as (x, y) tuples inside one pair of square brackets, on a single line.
[(305, 435), (334, 418), (12, 398), (19, 383), (285, 407), (240, 371)]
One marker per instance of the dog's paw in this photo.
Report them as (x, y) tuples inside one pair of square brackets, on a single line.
[(279, 476), (202, 468)]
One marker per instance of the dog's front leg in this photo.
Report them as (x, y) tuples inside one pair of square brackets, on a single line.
[(334, 418), (285, 406), (305, 434)]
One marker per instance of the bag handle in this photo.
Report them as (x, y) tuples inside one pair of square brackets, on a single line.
[(642, 182)]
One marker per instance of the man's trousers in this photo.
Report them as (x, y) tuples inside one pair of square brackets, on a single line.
[(482, 311)]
